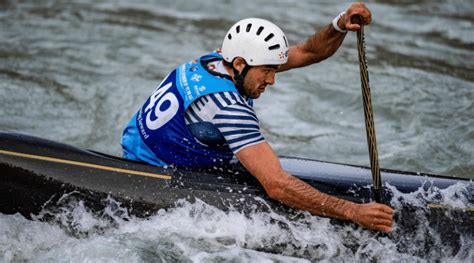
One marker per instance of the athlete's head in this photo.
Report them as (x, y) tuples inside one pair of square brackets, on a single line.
[(254, 48)]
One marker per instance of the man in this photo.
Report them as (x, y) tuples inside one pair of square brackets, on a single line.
[(201, 114)]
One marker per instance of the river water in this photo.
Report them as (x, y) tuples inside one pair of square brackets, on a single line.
[(76, 71)]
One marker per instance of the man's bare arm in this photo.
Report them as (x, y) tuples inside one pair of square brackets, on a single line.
[(261, 161), (326, 42)]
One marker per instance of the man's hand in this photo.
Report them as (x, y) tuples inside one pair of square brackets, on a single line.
[(324, 43), (373, 216), (262, 162), (358, 8)]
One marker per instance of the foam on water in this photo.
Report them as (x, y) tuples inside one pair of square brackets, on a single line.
[(197, 232), (85, 67)]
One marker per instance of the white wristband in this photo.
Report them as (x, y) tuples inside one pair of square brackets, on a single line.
[(335, 20)]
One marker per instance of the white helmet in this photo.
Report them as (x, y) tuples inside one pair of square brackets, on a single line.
[(258, 41)]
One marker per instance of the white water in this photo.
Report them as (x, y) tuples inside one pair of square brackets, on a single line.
[(76, 72), (201, 233)]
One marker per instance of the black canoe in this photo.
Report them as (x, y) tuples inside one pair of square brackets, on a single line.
[(36, 172)]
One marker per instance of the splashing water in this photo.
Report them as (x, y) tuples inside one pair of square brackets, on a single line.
[(199, 232), (85, 67)]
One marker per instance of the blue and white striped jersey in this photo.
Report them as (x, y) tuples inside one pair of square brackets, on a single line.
[(224, 118)]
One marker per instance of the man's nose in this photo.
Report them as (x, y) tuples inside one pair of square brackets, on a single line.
[(270, 79)]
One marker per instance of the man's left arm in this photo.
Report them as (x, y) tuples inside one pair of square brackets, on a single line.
[(324, 43)]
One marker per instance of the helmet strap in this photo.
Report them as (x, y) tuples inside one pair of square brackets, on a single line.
[(239, 78)]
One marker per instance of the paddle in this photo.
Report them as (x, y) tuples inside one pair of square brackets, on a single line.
[(368, 113)]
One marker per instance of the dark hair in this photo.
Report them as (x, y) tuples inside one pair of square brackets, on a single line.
[(226, 63)]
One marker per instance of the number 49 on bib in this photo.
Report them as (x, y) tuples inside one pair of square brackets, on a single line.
[(163, 104)]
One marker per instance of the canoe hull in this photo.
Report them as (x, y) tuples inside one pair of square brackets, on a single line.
[(36, 171)]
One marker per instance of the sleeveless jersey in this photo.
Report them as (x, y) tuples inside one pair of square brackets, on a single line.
[(158, 134)]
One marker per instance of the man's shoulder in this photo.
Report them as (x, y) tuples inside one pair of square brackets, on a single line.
[(225, 99)]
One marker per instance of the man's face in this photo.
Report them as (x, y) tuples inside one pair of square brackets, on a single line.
[(257, 79)]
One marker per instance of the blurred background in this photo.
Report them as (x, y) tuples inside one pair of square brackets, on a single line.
[(76, 71)]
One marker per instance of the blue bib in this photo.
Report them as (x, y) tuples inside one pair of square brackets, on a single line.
[(158, 134)]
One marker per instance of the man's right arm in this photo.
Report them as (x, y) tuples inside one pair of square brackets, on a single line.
[(262, 162)]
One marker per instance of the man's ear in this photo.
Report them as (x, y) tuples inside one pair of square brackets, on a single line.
[(239, 64)]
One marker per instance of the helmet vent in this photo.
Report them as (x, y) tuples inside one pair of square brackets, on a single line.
[(269, 37), (277, 46), (257, 41), (249, 26)]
